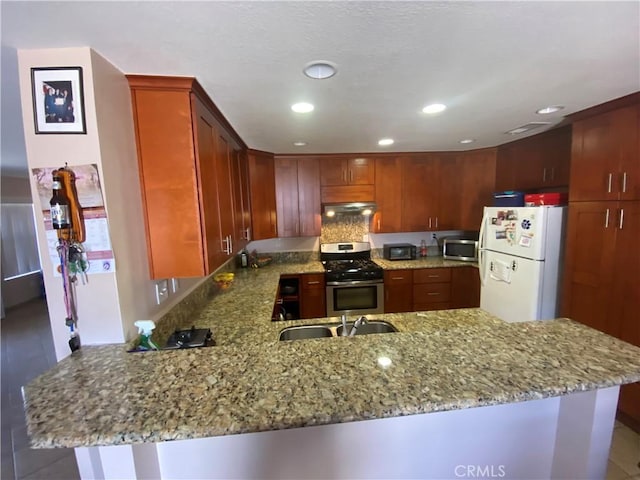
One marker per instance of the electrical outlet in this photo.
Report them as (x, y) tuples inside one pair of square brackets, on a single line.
[(162, 291), (175, 285), (433, 235)]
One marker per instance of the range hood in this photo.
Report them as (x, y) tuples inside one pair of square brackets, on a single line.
[(348, 208)]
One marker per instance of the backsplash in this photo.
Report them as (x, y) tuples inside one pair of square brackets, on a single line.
[(345, 228)]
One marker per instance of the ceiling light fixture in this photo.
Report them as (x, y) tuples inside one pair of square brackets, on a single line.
[(319, 70), (467, 140), (385, 142), (550, 109), (302, 107), (434, 108), (299, 144)]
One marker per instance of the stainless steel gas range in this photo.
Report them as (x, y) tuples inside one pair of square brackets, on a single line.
[(355, 284)]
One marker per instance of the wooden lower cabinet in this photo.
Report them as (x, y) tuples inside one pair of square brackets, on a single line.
[(398, 291), (431, 289), (465, 287), (312, 296)]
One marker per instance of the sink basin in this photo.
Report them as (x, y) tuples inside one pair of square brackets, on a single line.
[(373, 326), (306, 331), (334, 330)]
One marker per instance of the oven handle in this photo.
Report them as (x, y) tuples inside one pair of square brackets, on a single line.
[(355, 282)]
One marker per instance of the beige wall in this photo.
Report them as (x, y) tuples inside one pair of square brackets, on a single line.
[(110, 302)]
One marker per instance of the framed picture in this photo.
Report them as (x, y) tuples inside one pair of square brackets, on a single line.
[(58, 104)]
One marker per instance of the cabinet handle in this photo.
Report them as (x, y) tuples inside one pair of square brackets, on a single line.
[(230, 244), (436, 222), (429, 222), (344, 176), (609, 184), (397, 278), (350, 176), (378, 224), (433, 293), (315, 282), (544, 175), (621, 218), (624, 182), (247, 234), (553, 173), (226, 245), (606, 219), (434, 276)]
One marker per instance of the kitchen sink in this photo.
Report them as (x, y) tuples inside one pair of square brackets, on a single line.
[(373, 326), (334, 330), (305, 331)]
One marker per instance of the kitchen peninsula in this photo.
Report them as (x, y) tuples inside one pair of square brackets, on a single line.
[(451, 388)]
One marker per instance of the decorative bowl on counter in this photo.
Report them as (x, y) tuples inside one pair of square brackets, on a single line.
[(224, 280)]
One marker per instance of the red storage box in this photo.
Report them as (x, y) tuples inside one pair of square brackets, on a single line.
[(536, 199)]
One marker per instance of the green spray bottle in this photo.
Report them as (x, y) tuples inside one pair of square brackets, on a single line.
[(145, 329)]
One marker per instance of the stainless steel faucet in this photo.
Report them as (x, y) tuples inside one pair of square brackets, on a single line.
[(360, 321), (343, 318)]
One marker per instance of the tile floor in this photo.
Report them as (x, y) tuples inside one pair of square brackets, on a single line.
[(27, 351)]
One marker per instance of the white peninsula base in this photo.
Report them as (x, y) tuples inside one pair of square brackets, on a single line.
[(560, 437)]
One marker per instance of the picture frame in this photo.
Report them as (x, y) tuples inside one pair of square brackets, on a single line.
[(58, 100)]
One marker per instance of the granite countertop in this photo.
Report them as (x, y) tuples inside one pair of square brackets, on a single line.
[(251, 382), (422, 262)]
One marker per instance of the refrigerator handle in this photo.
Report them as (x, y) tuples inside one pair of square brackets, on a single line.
[(480, 252)]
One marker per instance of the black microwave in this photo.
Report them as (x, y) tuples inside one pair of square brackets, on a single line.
[(399, 251)]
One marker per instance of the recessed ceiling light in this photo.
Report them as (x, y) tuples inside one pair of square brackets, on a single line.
[(319, 70), (299, 144), (302, 107), (384, 142), (467, 140), (434, 108), (550, 109)]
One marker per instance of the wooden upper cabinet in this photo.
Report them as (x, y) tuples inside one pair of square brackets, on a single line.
[(605, 156), (183, 157), (262, 188), (388, 195), (420, 193), (241, 205), (474, 186), (534, 163), (451, 196), (309, 208), (298, 196), (347, 171)]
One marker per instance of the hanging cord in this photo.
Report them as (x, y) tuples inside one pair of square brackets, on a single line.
[(70, 321)]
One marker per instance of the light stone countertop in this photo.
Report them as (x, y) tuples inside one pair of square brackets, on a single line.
[(251, 382)]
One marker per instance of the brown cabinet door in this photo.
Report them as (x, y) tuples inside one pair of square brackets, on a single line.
[(361, 171), (167, 161), (556, 157), (263, 196), (450, 193), (224, 158), (604, 157), (286, 178), (241, 212), (475, 188), (398, 291), (626, 292), (505, 168), (388, 195), (333, 171), (309, 207), (420, 192), (208, 173), (465, 287), (588, 273), (431, 296), (313, 302)]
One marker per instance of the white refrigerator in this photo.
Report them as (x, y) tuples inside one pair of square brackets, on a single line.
[(520, 262)]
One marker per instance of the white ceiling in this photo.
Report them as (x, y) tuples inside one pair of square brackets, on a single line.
[(492, 63)]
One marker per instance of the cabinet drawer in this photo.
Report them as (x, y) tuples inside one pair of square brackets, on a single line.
[(312, 281), (398, 277), (431, 293), (432, 275)]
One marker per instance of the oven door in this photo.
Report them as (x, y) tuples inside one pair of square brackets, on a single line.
[(356, 297)]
